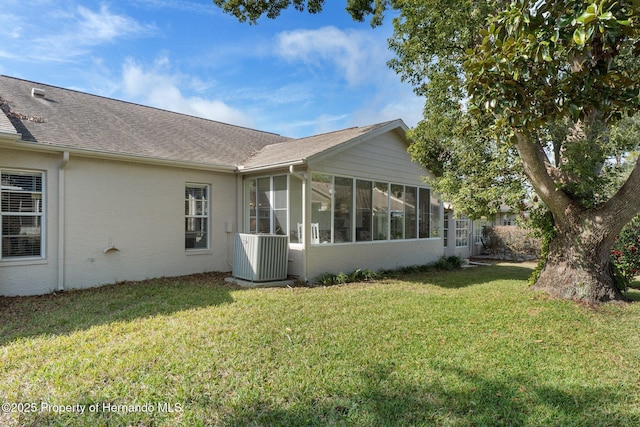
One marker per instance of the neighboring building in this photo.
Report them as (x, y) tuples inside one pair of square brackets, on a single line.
[(96, 190), (463, 236)]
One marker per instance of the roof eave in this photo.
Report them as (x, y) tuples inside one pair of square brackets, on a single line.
[(10, 136), (241, 169), (17, 143)]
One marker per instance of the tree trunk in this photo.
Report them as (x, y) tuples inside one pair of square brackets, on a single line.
[(578, 268), (578, 265)]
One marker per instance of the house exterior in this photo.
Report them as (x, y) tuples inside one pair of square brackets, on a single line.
[(462, 236), (96, 191)]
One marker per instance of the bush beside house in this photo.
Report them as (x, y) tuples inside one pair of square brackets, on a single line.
[(625, 255), (510, 242)]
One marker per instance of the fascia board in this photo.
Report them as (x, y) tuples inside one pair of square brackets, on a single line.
[(242, 170), (10, 136), (17, 144)]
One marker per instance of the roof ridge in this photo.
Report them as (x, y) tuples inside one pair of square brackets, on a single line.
[(142, 105), (380, 124)]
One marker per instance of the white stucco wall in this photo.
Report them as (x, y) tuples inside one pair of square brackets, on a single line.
[(347, 258), (137, 208), (296, 261)]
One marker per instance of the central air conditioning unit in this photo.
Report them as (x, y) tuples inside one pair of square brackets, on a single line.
[(260, 257)]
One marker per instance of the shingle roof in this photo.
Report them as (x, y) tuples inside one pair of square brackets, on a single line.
[(5, 123), (76, 120), (297, 150), (69, 119)]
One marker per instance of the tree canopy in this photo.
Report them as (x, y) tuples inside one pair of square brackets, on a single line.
[(541, 64), (522, 97), (252, 10), (540, 86)]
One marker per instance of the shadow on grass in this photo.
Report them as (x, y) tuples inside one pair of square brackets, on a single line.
[(62, 313), (632, 295), (473, 275), (454, 397)]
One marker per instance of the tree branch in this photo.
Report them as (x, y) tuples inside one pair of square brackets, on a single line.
[(623, 206), (535, 162)]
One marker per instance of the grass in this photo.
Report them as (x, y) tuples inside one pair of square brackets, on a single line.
[(471, 347)]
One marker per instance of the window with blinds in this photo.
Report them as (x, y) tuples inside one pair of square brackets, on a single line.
[(21, 211)]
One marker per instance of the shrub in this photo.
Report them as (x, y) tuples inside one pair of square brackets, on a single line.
[(328, 279), (454, 262), (448, 263), (341, 278), (359, 275), (625, 255), (363, 275), (510, 242)]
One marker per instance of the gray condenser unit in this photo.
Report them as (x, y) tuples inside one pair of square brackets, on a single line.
[(260, 257)]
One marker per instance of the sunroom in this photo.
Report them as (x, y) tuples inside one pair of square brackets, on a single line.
[(346, 205), (343, 210)]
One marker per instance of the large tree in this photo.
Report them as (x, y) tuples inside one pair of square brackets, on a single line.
[(521, 89), (573, 63)]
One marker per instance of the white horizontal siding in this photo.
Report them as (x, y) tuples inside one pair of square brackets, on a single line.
[(383, 158)]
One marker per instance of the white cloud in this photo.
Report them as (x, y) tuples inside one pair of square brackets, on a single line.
[(270, 96), (12, 25), (100, 27), (313, 126), (327, 123), (355, 53), (160, 88), (75, 32), (14, 28), (360, 57)]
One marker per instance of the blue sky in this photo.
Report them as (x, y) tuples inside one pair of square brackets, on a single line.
[(298, 75)]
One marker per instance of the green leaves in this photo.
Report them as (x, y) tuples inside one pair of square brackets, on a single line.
[(546, 60), (252, 10), (596, 21), (579, 36), (589, 15)]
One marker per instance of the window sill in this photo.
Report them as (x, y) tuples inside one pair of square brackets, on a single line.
[(190, 252), (376, 242), (23, 261)]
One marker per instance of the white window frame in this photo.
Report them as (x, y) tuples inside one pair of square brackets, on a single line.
[(42, 214), (271, 196), (206, 215), (462, 231), (389, 238), (363, 235), (478, 227), (445, 228)]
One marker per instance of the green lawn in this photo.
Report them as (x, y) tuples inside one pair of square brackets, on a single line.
[(469, 347)]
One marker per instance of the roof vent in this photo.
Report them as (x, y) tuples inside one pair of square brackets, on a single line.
[(38, 93)]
